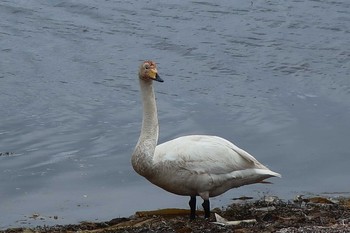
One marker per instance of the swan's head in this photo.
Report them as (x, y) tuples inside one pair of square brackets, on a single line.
[(148, 71)]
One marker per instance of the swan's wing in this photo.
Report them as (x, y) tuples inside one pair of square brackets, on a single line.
[(205, 154), (205, 165)]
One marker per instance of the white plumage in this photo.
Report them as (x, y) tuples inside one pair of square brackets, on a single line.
[(191, 165), (203, 164)]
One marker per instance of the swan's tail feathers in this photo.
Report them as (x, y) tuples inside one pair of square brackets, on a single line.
[(252, 176), (275, 174), (267, 173)]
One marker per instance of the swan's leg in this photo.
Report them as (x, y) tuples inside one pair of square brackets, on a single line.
[(192, 204), (206, 207), (206, 203)]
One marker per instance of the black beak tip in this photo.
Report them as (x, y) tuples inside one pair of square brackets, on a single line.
[(159, 79)]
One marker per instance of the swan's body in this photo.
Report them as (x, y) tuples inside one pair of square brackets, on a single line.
[(191, 165)]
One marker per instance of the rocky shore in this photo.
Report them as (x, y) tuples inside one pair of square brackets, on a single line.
[(269, 214)]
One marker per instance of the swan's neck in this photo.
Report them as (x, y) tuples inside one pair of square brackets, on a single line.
[(142, 158)]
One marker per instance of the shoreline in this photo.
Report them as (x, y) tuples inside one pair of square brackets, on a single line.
[(268, 214)]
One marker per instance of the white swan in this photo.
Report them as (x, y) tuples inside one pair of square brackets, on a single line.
[(195, 165)]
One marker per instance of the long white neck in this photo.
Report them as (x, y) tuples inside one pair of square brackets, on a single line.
[(142, 158)]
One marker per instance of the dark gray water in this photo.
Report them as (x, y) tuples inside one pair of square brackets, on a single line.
[(273, 77)]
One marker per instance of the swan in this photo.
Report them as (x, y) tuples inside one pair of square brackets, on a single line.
[(194, 165)]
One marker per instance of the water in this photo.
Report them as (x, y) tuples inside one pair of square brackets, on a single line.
[(273, 77)]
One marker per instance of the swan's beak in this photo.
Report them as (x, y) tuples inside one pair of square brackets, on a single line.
[(159, 79), (153, 73)]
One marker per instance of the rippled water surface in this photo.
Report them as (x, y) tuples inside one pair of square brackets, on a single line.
[(273, 77)]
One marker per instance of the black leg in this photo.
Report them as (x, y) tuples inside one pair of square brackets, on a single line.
[(206, 207), (192, 204)]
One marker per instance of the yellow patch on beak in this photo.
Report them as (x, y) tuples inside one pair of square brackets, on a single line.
[(152, 73)]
